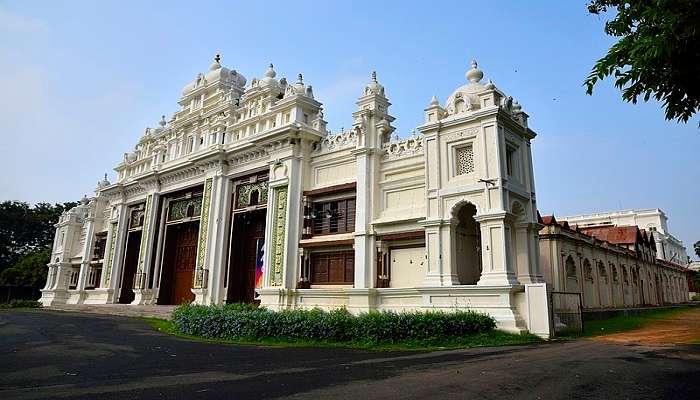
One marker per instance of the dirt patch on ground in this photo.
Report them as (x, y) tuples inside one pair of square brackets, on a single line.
[(680, 328)]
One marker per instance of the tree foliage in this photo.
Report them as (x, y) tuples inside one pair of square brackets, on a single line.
[(25, 231), (30, 270), (657, 55), (696, 247)]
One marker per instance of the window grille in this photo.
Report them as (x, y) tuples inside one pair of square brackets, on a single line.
[(465, 160)]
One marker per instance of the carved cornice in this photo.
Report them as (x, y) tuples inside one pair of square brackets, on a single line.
[(464, 133)]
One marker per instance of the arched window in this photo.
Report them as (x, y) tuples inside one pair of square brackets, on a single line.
[(587, 270), (602, 271), (615, 278), (570, 267)]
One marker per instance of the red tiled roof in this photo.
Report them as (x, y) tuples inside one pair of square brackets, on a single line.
[(549, 219), (614, 234)]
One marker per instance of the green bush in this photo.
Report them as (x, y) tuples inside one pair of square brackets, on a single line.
[(696, 297), (246, 322), (21, 304)]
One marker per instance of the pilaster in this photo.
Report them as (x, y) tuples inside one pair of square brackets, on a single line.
[(498, 268), (143, 294), (200, 279)]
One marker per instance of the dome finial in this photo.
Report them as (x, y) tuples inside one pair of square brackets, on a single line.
[(300, 79), (434, 101), (270, 73), (474, 75), (374, 76), (162, 121), (216, 64)]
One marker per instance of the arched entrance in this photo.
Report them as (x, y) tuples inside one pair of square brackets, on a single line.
[(467, 240)]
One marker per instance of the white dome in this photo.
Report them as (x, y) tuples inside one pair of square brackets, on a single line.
[(216, 73), (374, 87), (465, 98), (269, 79)]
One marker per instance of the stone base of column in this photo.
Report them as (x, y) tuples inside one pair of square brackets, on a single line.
[(530, 279), (144, 296), (99, 296), (440, 280), (75, 297), (497, 279), (200, 296), (272, 298), (361, 300), (53, 297)]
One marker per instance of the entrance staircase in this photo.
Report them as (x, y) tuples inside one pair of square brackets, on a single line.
[(124, 310)]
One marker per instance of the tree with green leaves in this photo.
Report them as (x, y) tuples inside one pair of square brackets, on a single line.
[(25, 234), (657, 54), (696, 247), (30, 269)]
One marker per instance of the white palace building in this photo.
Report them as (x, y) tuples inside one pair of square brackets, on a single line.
[(244, 196)]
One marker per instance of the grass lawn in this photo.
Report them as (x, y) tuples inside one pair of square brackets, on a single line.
[(624, 323), (493, 338)]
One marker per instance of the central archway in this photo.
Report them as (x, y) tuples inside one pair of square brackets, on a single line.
[(467, 239)]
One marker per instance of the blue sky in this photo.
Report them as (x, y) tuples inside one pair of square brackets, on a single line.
[(80, 80)]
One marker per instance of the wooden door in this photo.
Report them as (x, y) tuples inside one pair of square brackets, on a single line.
[(184, 261), (248, 236)]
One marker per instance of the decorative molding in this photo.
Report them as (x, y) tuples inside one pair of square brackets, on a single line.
[(203, 229), (181, 175), (110, 256), (279, 220), (335, 142), (464, 133), (144, 239), (245, 190), (397, 149), (248, 156)]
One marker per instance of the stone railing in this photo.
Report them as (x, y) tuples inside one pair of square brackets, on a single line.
[(400, 148), (338, 141)]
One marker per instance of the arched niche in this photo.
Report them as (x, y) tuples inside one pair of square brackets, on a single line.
[(467, 240)]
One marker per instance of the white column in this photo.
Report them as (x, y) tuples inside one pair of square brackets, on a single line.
[(143, 295), (294, 221), (365, 255), (218, 225), (119, 239), (498, 268)]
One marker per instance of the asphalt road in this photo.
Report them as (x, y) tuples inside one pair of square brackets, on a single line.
[(62, 355)]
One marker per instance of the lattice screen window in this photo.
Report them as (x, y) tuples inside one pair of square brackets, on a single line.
[(465, 160)]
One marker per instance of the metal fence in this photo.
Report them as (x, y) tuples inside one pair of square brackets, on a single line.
[(566, 313)]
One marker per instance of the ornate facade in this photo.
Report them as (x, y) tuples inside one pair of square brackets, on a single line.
[(243, 195)]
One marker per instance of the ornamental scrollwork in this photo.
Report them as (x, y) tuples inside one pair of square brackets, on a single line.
[(278, 234)]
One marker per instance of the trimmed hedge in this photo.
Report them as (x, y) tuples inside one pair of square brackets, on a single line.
[(247, 322), (19, 303)]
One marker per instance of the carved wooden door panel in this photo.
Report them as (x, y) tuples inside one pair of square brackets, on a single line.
[(184, 263)]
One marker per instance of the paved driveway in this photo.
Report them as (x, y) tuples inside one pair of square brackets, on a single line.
[(47, 354)]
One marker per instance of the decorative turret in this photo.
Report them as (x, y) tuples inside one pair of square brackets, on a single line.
[(269, 79), (374, 87), (217, 74), (434, 112), (103, 183), (372, 116)]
